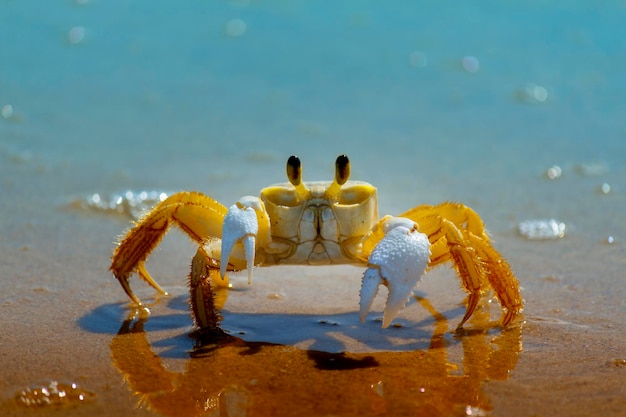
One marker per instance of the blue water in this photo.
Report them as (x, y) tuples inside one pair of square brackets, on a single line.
[(432, 101), (154, 81)]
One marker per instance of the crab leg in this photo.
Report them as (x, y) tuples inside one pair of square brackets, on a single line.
[(204, 300), (196, 214), (245, 222), (457, 235), (398, 261)]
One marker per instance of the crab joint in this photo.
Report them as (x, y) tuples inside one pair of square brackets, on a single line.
[(240, 226)]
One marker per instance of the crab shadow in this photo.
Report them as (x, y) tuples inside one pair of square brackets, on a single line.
[(330, 333), (292, 361)]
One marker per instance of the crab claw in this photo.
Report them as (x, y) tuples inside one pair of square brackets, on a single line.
[(240, 225), (398, 261)]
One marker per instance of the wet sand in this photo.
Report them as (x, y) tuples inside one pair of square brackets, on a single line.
[(296, 342)]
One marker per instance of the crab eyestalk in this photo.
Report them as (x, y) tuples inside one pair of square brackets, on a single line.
[(342, 174), (294, 174), (342, 169)]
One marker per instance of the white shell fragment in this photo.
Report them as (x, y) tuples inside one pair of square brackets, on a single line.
[(542, 229)]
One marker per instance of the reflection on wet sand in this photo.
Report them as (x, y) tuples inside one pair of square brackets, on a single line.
[(227, 376)]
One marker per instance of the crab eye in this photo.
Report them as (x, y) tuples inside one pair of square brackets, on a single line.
[(342, 169), (294, 170)]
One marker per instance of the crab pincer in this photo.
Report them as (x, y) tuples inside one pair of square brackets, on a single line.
[(241, 226), (398, 262)]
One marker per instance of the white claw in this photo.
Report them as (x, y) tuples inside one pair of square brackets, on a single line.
[(398, 261), (369, 289), (240, 225), (248, 244)]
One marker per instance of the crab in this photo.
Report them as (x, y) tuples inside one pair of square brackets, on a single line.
[(321, 223)]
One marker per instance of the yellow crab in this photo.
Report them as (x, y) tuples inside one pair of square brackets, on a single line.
[(315, 223)]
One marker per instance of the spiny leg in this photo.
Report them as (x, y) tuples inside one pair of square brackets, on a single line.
[(448, 243), (457, 234), (205, 300), (196, 214), (491, 264), (501, 278), (468, 266)]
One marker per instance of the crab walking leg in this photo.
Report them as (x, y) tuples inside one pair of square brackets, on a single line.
[(451, 244), (398, 261), (501, 278), (204, 302), (196, 214), (477, 263), (245, 222), (468, 265)]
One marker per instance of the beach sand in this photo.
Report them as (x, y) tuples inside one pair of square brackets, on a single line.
[(120, 105)]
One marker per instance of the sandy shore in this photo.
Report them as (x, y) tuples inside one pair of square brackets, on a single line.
[(297, 343)]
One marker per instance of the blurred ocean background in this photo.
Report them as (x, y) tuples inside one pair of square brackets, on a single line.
[(432, 100)]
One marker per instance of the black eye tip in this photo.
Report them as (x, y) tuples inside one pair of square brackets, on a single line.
[(342, 169), (294, 170), (342, 160), (294, 161)]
